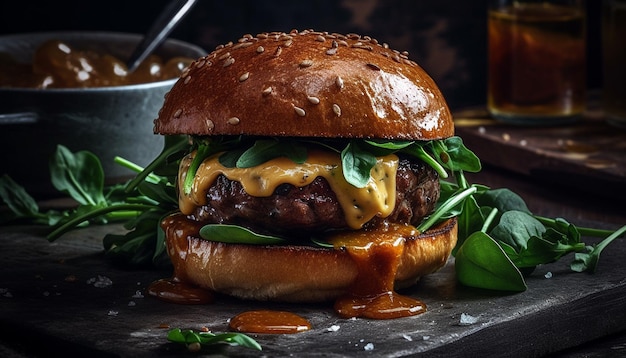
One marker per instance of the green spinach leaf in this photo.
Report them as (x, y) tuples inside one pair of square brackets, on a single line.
[(237, 235)]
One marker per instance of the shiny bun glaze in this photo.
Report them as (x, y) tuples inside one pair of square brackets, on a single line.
[(291, 273), (306, 84)]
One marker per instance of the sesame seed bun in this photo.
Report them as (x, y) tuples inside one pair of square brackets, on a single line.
[(301, 84), (306, 84)]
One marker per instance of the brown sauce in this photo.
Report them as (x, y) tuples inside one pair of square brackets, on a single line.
[(56, 64), (376, 254), (267, 321), (175, 291)]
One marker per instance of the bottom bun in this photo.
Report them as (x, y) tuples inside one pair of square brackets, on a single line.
[(291, 273)]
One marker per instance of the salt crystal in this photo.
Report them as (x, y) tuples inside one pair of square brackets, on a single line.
[(467, 319), (5, 293), (407, 337), (425, 338), (548, 275), (138, 294), (333, 328), (101, 281), (131, 304), (112, 313), (369, 347)]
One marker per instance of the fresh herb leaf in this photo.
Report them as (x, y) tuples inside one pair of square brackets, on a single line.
[(20, 203), (482, 263), (380, 148), (201, 153), (194, 341), (78, 174), (503, 199), (357, 164), (516, 228), (589, 261), (264, 150), (237, 235), (453, 154)]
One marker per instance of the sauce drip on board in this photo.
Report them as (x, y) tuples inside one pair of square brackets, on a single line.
[(176, 291), (268, 321), (377, 254)]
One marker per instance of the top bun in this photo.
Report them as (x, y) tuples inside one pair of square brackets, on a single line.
[(306, 84)]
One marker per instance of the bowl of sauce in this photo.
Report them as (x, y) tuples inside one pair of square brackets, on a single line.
[(73, 88)]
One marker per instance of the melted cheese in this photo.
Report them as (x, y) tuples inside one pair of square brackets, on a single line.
[(359, 205)]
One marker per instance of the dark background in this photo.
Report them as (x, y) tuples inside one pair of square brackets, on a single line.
[(446, 37)]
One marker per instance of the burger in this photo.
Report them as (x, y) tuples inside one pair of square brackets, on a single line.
[(309, 172)]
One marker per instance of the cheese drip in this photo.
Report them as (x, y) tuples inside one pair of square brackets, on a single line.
[(359, 205)]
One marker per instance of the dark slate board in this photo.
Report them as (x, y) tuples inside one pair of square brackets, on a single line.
[(45, 294)]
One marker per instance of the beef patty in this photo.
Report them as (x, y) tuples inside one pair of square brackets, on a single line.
[(314, 207)]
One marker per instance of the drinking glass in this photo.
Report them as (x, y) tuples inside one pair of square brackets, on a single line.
[(537, 62)]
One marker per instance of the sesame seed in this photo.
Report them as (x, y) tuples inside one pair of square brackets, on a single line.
[(260, 49), (262, 36), (243, 45), (209, 124), (288, 43), (178, 113), (267, 91), (313, 100), (233, 120), (278, 51), (373, 67), (244, 77), (334, 44), (224, 56), (200, 63), (337, 109), (229, 61), (320, 38), (187, 79), (306, 63), (339, 82), (299, 111)]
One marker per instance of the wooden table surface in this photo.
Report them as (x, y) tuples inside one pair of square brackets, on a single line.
[(50, 306)]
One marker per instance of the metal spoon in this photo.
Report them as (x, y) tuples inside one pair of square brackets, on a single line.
[(160, 29)]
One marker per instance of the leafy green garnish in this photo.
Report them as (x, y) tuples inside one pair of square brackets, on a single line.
[(481, 262), (194, 341), (357, 164), (140, 203), (266, 149), (237, 235), (78, 174), (497, 235)]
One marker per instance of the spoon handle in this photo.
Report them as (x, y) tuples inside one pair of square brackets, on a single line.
[(160, 29)]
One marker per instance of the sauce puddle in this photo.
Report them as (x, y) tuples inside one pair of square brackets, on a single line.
[(269, 322), (176, 291)]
